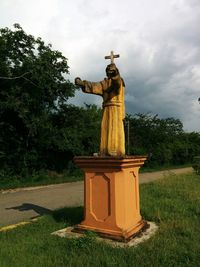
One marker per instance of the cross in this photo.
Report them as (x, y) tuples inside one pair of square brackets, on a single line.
[(111, 57)]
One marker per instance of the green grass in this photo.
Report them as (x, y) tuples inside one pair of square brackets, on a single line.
[(46, 178), (146, 168), (41, 178), (173, 203)]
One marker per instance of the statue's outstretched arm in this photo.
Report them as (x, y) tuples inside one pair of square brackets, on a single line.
[(90, 87)]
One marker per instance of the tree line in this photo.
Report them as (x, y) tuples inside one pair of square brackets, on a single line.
[(164, 140), (40, 130)]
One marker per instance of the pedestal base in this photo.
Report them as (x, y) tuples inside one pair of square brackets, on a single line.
[(125, 236), (111, 196)]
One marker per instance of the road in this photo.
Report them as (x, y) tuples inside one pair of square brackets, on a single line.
[(26, 203)]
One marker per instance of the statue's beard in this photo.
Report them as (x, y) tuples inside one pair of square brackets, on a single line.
[(111, 73)]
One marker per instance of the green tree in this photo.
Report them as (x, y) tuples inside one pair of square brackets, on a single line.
[(74, 131), (33, 86), (164, 139), (148, 130)]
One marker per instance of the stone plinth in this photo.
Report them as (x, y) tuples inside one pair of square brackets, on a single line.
[(111, 196)]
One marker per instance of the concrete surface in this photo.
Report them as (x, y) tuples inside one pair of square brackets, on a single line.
[(142, 237)]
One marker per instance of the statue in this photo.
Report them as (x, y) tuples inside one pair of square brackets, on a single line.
[(112, 90)]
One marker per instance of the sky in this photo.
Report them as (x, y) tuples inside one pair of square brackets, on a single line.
[(158, 42)]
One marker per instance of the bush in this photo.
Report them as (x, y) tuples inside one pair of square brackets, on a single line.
[(196, 164)]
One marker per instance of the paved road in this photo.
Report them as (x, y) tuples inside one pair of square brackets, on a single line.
[(23, 204)]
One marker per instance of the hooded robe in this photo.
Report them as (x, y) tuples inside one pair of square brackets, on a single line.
[(112, 128)]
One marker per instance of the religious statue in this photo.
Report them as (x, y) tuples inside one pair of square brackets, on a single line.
[(112, 91)]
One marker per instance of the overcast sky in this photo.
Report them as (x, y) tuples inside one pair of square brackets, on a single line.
[(158, 42)]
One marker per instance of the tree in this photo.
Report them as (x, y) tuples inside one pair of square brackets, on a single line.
[(164, 139), (74, 131), (33, 86), (148, 130)]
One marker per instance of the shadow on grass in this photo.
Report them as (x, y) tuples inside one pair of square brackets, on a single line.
[(70, 215)]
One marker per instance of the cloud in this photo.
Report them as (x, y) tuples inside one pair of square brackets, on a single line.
[(158, 42)]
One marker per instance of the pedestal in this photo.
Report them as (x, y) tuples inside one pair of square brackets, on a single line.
[(111, 196)]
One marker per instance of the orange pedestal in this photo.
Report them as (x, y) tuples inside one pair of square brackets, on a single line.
[(111, 196)]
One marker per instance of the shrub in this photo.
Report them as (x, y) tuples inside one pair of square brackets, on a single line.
[(196, 164)]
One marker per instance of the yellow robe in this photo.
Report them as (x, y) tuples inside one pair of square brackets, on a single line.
[(112, 127)]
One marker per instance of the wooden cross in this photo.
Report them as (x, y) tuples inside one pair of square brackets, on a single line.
[(111, 57)]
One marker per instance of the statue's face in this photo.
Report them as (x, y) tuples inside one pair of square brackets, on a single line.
[(111, 71)]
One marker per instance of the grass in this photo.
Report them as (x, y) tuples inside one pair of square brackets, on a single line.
[(40, 178), (173, 203), (146, 168), (51, 177)]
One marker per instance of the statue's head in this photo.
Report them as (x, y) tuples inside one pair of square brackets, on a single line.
[(111, 70)]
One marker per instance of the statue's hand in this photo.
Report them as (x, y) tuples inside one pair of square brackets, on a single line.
[(79, 82)]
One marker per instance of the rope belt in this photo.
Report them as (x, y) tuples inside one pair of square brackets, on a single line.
[(117, 104)]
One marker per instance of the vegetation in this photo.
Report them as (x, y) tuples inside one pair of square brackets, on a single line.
[(164, 140), (196, 164), (173, 203), (40, 178), (32, 90), (40, 132)]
